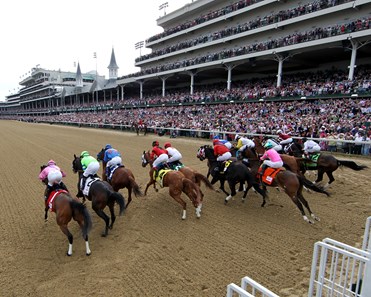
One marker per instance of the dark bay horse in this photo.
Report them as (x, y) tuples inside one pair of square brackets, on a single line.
[(67, 208), (101, 194), (327, 163), (291, 182), (122, 178), (236, 173), (177, 184)]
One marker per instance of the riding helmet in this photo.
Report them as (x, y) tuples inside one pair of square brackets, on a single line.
[(216, 141), (304, 139), (279, 131), (167, 144), (108, 146), (268, 145), (216, 137), (237, 137), (51, 162), (84, 154), (155, 143)]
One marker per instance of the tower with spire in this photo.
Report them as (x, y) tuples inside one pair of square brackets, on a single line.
[(79, 81), (112, 67)]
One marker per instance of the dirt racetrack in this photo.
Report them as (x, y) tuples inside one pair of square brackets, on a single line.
[(151, 251)]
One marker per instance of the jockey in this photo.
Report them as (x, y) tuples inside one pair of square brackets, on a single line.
[(159, 157), (223, 141), (222, 153), (112, 157), (276, 146), (270, 158), (285, 138), (173, 153), (90, 166), (310, 147), (53, 174), (243, 143)]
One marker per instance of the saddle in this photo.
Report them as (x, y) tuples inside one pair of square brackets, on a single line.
[(50, 201), (224, 166), (313, 158), (269, 174), (89, 181), (111, 171), (160, 177), (176, 165)]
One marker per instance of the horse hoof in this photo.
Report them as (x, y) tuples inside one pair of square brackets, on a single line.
[(104, 234), (69, 255), (225, 202), (88, 254)]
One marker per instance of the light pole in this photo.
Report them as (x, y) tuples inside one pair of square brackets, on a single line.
[(96, 73), (139, 45), (163, 6)]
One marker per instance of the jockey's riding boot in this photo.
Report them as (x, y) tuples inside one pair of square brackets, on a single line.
[(264, 166), (48, 191), (63, 186), (221, 166), (83, 182)]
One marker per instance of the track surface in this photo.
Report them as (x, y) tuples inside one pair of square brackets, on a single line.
[(151, 251)]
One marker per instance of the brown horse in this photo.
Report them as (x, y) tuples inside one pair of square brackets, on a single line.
[(67, 208), (193, 175), (121, 178), (177, 183), (101, 194), (291, 182)]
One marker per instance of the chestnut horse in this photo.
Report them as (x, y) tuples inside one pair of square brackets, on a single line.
[(67, 208), (101, 194), (121, 178), (291, 182), (177, 183)]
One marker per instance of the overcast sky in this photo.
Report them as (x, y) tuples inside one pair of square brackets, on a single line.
[(57, 34)]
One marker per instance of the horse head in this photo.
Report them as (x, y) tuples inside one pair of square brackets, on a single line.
[(76, 164), (201, 153), (100, 155), (146, 158)]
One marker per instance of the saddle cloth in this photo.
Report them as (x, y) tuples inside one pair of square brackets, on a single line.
[(269, 174), (89, 182), (160, 177), (52, 196), (112, 171)]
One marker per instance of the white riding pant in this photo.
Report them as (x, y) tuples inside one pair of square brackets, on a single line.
[(175, 157), (313, 149), (92, 169), (277, 164), (278, 148), (54, 177), (226, 156), (114, 161), (242, 148), (286, 141), (160, 160), (228, 145)]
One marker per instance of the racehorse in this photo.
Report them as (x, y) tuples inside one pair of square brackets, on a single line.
[(193, 175), (122, 178), (327, 164), (235, 173), (292, 149), (101, 194), (67, 208), (140, 128), (177, 183), (292, 183)]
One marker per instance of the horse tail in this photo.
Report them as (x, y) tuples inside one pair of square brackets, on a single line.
[(202, 178), (79, 208), (191, 189), (135, 187), (351, 165), (308, 184), (119, 199)]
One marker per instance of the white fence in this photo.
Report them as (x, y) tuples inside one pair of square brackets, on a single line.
[(337, 270)]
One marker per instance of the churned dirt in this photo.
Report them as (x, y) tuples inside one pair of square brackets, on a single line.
[(151, 251)]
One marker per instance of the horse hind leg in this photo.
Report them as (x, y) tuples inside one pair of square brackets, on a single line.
[(177, 198), (70, 238), (297, 202), (87, 247), (306, 204), (113, 216), (105, 218)]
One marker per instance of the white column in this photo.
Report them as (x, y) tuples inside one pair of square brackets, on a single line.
[(353, 59), (279, 73), (192, 82), (229, 79)]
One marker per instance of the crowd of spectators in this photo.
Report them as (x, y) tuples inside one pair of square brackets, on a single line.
[(250, 25), (296, 38)]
